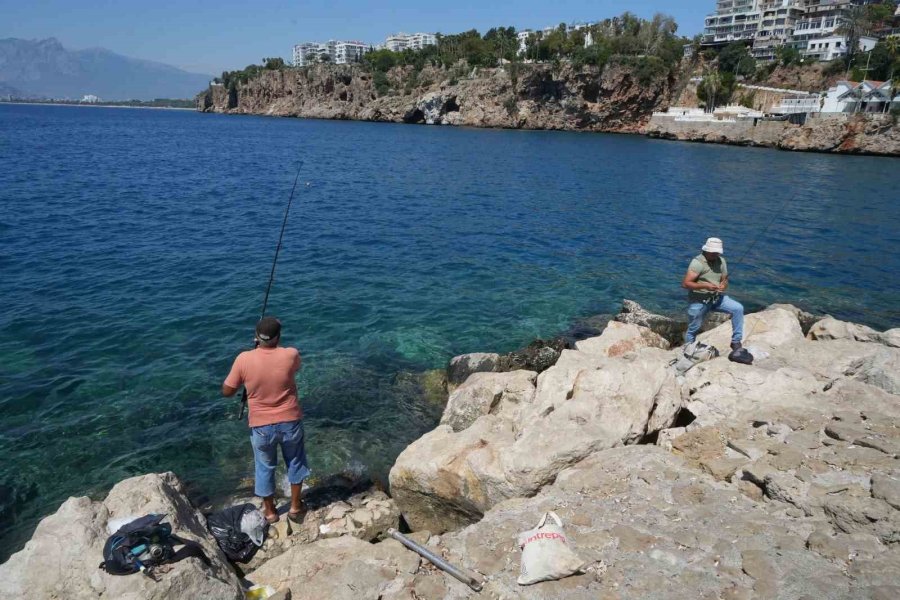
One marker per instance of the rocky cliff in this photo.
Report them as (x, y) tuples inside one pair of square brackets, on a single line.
[(779, 480), (614, 98)]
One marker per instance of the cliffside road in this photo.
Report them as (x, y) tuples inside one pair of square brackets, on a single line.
[(776, 480)]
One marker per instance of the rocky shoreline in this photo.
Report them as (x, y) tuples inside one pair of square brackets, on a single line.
[(867, 134), (779, 479), (614, 99)]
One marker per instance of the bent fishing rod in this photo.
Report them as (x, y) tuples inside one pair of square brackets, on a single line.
[(284, 221)]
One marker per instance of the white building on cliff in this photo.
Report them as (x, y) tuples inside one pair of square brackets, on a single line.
[(333, 51)]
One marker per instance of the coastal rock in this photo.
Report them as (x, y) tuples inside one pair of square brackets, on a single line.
[(343, 568), (836, 132), (60, 560), (583, 404), (461, 367), (807, 320), (632, 514), (671, 329), (487, 393), (538, 356), (667, 327), (830, 328), (620, 338), (766, 330)]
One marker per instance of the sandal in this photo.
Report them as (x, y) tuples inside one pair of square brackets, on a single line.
[(272, 519), (297, 517)]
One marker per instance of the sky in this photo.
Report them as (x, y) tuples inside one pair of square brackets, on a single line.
[(209, 37)]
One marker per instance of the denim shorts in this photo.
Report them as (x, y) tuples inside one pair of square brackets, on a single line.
[(266, 440)]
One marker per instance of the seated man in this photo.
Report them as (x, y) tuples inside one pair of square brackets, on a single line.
[(707, 279)]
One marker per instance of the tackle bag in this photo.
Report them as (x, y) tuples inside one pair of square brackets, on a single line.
[(145, 543), (546, 554), (239, 530), (741, 355), (693, 354)]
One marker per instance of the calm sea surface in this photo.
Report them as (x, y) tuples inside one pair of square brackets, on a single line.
[(135, 246)]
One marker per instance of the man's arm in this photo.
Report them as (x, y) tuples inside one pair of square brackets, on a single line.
[(690, 282), (724, 285), (234, 380)]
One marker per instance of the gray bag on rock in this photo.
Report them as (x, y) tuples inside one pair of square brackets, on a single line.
[(693, 354), (546, 554)]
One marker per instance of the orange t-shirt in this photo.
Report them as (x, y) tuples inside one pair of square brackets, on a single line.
[(268, 374)]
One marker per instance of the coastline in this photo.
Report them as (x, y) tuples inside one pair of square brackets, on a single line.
[(787, 464)]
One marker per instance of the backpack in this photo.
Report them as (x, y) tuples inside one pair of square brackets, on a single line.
[(228, 527), (741, 355), (145, 543), (692, 354)]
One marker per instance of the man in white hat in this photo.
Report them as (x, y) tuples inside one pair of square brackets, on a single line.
[(706, 281)]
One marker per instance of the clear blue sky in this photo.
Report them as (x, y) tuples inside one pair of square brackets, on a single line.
[(210, 36)]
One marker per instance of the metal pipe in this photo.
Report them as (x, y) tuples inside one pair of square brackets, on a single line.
[(436, 560)]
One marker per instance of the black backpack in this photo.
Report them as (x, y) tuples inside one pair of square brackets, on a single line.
[(225, 526), (143, 544), (741, 355)]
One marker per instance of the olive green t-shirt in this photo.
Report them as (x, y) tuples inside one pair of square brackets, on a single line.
[(710, 272)]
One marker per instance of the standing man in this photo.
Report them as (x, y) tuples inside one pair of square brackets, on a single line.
[(268, 373), (706, 281)]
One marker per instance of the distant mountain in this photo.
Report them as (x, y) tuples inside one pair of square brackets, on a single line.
[(45, 68)]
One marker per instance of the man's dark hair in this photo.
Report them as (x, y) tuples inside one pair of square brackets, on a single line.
[(268, 330)]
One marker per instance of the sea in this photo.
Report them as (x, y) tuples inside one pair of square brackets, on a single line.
[(136, 245)]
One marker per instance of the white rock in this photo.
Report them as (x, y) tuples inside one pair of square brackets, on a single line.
[(60, 560), (620, 338)]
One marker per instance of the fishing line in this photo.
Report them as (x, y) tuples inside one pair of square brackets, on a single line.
[(284, 221)]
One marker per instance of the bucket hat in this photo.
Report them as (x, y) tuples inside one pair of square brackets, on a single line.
[(714, 245)]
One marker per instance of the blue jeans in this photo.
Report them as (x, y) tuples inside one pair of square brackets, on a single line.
[(697, 312), (266, 440)]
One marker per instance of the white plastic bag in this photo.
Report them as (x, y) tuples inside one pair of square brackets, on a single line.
[(546, 554)]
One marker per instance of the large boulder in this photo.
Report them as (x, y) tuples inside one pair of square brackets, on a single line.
[(343, 568), (583, 404), (651, 526), (806, 319), (667, 327), (672, 329), (485, 393), (60, 560), (830, 328), (764, 330), (620, 338)]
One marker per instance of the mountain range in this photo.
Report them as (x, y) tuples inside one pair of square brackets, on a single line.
[(45, 69)]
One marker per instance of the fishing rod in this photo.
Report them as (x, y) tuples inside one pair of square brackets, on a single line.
[(284, 221)]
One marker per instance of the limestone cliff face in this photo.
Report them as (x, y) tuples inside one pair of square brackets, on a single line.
[(531, 97)]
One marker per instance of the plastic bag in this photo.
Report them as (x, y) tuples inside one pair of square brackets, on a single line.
[(546, 554), (225, 526)]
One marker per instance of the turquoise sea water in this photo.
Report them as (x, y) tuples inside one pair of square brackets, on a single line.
[(135, 247)]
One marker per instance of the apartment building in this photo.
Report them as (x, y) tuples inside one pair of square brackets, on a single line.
[(811, 26), (733, 21), (777, 21), (333, 51), (399, 42)]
